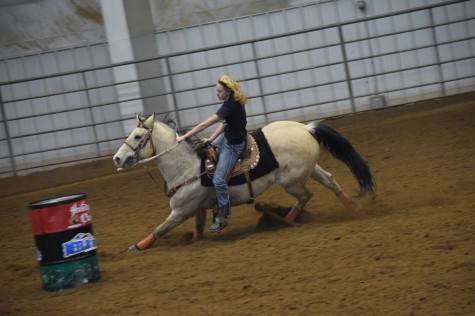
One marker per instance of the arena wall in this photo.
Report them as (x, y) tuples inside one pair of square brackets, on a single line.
[(305, 62)]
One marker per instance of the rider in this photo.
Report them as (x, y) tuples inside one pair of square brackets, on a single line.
[(232, 115)]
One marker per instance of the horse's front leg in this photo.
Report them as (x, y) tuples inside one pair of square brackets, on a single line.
[(174, 219)]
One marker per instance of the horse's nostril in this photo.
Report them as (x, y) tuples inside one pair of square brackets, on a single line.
[(117, 160)]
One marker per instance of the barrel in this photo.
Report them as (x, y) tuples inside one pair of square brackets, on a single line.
[(65, 243)]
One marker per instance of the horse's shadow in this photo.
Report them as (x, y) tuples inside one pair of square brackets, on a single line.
[(273, 217)]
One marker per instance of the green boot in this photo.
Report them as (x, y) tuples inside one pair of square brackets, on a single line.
[(219, 223)]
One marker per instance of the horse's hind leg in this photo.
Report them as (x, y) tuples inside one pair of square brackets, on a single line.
[(302, 194), (327, 179)]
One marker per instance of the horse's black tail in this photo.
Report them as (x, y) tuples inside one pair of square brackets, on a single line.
[(342, 150)]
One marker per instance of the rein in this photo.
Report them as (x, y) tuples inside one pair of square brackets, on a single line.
[(166, 151), (139, 162)]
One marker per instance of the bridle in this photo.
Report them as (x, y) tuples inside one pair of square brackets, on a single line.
[(143, 141)]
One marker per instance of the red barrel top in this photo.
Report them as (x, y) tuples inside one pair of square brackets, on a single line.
[(60, 214)]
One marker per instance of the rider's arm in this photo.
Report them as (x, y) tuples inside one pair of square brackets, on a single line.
[(198, 128)]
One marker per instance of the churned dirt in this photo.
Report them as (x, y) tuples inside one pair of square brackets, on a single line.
[(408, 250)]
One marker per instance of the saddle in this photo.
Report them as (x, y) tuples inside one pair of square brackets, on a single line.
[(246, 162)]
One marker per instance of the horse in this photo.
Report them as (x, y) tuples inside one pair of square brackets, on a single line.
[(296, 147)]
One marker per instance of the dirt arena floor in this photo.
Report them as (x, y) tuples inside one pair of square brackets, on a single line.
[(409, 250)]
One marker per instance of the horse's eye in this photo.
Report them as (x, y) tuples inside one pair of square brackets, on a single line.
[(137, 137)]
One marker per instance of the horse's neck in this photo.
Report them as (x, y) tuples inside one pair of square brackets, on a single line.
[(163, 136), (178, 164)]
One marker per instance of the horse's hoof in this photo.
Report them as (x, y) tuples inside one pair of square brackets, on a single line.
[(346, 200), (133, 248), (292, 216)]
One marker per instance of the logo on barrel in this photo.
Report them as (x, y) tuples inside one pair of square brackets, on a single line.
[(82, 242), (80, 215)]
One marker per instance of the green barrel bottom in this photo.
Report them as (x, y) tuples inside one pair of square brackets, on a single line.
[(57, 277)]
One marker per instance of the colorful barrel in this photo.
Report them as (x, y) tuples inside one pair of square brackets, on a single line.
[(65, 243)]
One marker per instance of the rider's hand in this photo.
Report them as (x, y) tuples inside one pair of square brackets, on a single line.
[(179, 139), (206, 140)]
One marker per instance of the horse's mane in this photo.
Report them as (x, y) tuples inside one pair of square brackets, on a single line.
[(195, 142), (168, 119)]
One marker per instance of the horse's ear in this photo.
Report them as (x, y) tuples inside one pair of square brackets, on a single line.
[(149, 122), (140, 119)]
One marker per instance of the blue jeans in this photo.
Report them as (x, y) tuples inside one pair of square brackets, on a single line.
[(228, 155)]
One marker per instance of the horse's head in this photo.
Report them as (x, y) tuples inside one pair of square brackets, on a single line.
[(138, 145)]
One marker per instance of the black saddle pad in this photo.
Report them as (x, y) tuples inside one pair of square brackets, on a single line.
[(267, 163)]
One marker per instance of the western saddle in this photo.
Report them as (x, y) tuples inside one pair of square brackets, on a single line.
[(246, 162)]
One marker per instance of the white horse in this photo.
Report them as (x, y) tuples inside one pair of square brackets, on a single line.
[(296, 148)]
